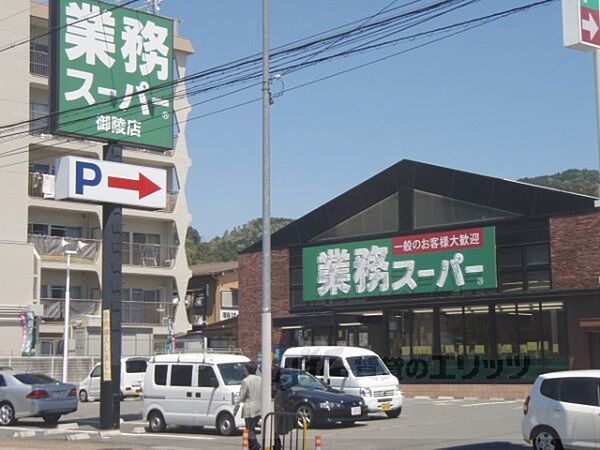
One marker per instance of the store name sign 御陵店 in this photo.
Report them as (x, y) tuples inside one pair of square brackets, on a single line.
[(444, 261)]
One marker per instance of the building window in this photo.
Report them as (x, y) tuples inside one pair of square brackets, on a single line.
[(229, 298), (382, 217), (452, 331), (422, 332), (399, 333), (38, 116), (432, 210), (477, 330), (524, 268)]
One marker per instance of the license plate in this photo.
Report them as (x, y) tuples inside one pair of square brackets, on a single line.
[(355, 410), (385, 406), (59, 394)]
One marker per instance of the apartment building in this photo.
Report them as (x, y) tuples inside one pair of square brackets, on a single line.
[(35, 228)]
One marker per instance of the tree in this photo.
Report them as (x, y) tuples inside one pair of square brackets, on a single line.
[(226, 247), (580, 181)]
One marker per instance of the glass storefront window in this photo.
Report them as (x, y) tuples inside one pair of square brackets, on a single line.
[(452, 331), (477, 330), (422, 333), (554, 336), (399, 331), (530, 329), (507, 330), (510, 257)]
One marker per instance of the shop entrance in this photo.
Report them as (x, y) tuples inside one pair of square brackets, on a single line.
[(594, 350)]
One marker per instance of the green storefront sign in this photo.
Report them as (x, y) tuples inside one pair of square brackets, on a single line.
[(446, 261), (112, 73)]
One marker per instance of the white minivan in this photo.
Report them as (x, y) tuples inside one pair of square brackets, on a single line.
[(194, 389), (563, 411), (353, 370), (133, 371)]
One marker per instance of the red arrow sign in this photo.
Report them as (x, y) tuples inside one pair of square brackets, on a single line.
[(143, 185)]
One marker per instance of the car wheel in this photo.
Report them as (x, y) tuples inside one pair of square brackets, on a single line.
[(393, 413), (305, 413), (156, 422), (7, 414), (546, 439), (83, 396), (225, 424), (52, 419)]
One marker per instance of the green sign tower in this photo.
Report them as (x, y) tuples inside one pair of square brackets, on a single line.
[(112, 74)]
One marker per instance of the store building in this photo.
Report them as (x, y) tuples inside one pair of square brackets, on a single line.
[(36, 228), (465, 284)]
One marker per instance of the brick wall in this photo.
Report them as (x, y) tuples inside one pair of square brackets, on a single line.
[(575, 251), (250, 278)]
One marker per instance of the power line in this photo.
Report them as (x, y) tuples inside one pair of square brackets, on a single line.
[(233, 66), (52, 30), (470, 24)]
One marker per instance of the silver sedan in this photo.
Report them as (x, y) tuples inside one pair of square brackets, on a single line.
[(34, 395)]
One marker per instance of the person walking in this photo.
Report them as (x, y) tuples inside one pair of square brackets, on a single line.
[(284, 418), (250, 396)]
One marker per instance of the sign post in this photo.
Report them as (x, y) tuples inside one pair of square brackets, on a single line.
[(581, 31), (111, 80), (112, 265)]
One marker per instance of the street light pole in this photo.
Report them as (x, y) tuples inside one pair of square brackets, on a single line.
[(67, 310)]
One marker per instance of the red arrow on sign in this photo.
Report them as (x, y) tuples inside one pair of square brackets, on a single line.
[(143, 185)]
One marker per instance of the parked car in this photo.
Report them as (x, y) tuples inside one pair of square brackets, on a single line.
[(133, 372), (353, 370), (194, 389), (317, 403), (34, 395), (563, 411)]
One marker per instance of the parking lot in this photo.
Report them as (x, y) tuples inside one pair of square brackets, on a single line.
[(424, 424)]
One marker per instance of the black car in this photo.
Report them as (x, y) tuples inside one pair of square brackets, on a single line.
[(316, 402)]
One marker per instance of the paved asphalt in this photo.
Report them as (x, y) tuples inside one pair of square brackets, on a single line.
[(423, 425)]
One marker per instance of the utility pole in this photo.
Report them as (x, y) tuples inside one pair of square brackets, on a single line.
[(597, 83), (266, 219)]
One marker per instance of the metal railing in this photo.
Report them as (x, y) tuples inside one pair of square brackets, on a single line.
[(54, 308), (39, 63), (50, 248), (149, 255), (285, 431), (132, 312)]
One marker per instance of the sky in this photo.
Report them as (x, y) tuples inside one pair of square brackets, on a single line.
[(505, 100)]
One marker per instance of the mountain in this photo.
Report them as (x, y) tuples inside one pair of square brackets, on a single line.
[(226, 247), (581, 181)]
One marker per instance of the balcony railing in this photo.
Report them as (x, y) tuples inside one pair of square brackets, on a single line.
[(149, 255), (51, 248), (39, 63), (54, 308), (151, 313)]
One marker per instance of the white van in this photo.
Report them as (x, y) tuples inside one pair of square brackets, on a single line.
[(194, 389), (133, 371), (352, 370)]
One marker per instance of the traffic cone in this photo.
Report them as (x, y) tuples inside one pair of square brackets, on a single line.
[(318, 442), (245, 442)]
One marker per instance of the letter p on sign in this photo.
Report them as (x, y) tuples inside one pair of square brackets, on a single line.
[(86, 174)]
